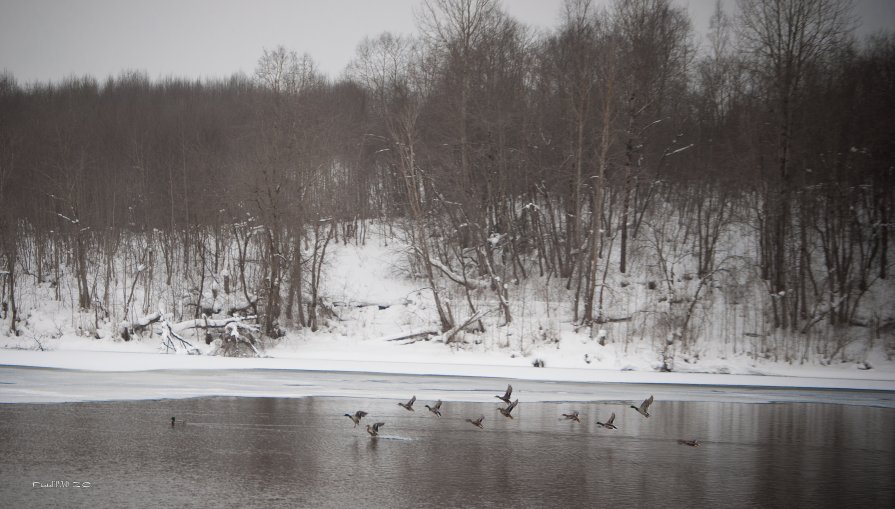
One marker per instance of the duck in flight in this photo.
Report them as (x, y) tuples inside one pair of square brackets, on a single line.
[(608, 424), (360, 414), (642, 410), (506, 397), (409, 404), (691, 443), (477, 422), (506, 411), (374, 429), (435, 409), (572, 416)]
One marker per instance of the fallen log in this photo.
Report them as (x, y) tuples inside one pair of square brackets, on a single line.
[(128, 329), (205, 323), (242, 306), (449, 335), (427, 332)]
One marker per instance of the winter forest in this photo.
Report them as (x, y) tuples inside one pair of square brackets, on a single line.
[(622, 178)]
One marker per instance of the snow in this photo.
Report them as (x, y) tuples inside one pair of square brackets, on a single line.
[(369, 360), (132, 376), (135, 370), (375, 302)]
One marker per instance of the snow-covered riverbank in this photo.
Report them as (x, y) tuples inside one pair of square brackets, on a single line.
[(146, 375), (375, 306)]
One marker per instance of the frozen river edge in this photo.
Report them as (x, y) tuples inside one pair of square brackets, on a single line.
[(47, 377)]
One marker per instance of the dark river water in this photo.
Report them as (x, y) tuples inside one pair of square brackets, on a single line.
[(271, 452)]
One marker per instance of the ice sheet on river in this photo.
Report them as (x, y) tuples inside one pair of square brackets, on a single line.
[(49, 385)]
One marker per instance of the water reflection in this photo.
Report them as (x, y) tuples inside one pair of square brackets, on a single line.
[(269, 452)]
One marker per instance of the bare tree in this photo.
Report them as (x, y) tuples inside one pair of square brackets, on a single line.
[(9, 201), (284, 71), (655, 51), (784, 38), (455, 31), (389, 67), (607, 111)]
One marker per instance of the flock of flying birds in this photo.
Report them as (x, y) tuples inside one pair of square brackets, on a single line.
[(506, 411)]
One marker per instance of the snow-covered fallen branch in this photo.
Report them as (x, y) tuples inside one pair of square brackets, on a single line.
[(206, 323), (173, 342), (409, 335), (363, 304), (148, 319), (449, 335), (233, 336), (607, 319), (128, 329), (242, 306)]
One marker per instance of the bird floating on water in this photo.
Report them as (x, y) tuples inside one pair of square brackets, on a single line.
[(360, 414), (691, 443), (374, 429), (506, 397), (572, 416), (477, 422), (435, 409), (642, 410), (608, 424), (506, 411), (409, 404)]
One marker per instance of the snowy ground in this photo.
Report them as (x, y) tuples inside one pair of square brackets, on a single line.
[(375, 303), (42, 385), (83, 375)]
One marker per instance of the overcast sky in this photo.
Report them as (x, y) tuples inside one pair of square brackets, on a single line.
[(47, 40)]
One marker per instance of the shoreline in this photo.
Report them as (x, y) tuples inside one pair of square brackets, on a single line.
[(55, 377)]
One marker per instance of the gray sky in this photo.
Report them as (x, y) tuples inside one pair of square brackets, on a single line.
[(47, 40)]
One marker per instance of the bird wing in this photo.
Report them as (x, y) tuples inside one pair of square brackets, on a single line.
[(360, 413), (509, 391), (480, 420), (611, 418), (377, 426), (437, 405), (646, 403), (412, 401), (512, 405)]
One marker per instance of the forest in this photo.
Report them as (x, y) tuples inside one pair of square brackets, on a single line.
[(681, 188)]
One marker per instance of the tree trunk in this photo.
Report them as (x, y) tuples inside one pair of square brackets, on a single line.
[(83, 288)]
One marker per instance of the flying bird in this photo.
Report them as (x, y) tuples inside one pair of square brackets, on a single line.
[(360, 414), (506, 397), (409, 404), (572, 416), (477, 422), (374, 429), (642, 410), (435, 409), (506, 411), (608, 424)]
